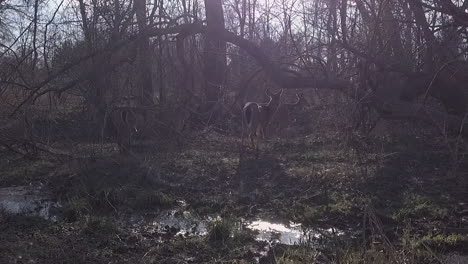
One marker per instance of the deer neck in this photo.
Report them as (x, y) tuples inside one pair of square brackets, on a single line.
[(273, 105)]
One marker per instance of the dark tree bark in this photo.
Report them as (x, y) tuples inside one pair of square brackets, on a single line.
[(459, 14), (343, 14), (252, 4), (422, 23), (215, 51), (391, 31), (96, 97), (84, 22), (34, 42), (364, 13), (162, 96), (332, 30), (145, 83)]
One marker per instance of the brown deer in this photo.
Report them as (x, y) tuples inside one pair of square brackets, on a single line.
[(257, 116), (125, 121), (284, 115)]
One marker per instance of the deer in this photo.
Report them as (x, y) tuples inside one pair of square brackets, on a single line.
[(257, 116), (283, 117), (125, 122)]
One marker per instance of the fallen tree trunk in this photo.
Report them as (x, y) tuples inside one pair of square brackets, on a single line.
[(401, 110), (395, 109), (14, 138)]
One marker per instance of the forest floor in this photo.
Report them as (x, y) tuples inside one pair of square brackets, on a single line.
[(387, 201)]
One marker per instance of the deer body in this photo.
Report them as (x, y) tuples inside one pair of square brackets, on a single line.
[(125, 122), (284, 115), (257, 116)]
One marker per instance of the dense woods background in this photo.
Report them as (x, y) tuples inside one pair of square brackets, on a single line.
[(398, 59), (375, 144)]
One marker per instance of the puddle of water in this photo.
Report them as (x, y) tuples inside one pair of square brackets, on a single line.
[(170, 222), (184, 222), (285, 234), (288, 234), (34, 201), (30, 201), (181, 222)]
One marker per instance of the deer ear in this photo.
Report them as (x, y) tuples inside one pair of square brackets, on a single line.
[(298, 99), (267, 91)]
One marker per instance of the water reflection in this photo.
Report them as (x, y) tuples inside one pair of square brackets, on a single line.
[(184, 222), (30, 201), (285, 234), (35, 201), (291, 233)]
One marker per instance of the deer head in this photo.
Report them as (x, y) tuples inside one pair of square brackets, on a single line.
[(299, 99), (274, 102), (286, 115), (126, 123)]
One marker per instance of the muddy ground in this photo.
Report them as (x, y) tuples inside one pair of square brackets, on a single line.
[(393, 200)]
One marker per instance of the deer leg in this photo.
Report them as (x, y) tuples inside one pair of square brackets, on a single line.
[(255, 143), (252, 140), (245, 133), (259, 131), (263, 132), (129, 139), (259, 135), (120, 143)]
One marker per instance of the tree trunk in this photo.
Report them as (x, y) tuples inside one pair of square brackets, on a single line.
[(162, 97), (215, 52), (332, 30), (145, 84), (96, 97), (422, 23)]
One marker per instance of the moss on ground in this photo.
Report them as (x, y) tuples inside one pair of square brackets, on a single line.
[(320, 181)]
